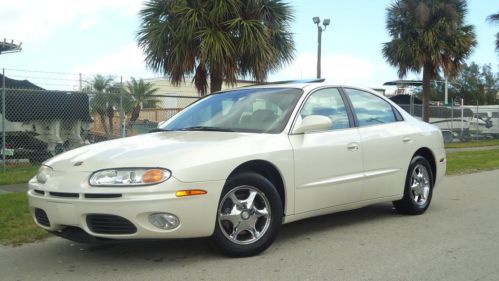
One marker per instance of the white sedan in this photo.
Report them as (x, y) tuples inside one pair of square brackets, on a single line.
[(237, 164)]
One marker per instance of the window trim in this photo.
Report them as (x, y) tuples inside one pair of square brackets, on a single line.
[(396, 115), (351, 121)]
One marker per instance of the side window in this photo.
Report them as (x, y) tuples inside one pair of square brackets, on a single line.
[(370, 109), (327, 102)]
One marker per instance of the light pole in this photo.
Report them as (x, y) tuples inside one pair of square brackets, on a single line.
[(320, 29)]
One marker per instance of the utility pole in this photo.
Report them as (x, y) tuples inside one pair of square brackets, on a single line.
[(320, 29)]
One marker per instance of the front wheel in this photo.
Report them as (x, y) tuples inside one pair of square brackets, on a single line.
[(249, 216), (418, 188)]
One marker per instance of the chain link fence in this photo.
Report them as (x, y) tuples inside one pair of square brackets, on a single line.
[(461, 123), (37, 124)]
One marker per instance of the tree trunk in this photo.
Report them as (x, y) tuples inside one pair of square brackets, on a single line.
[(215, 80), (426, 93), (135, 115), (110, 115)]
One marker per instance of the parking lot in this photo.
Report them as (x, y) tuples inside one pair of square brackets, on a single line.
[(457, 239)]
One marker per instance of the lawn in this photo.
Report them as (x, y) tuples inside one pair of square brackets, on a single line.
[(472, 161), (16, 224), (476, 143), (17, 174)]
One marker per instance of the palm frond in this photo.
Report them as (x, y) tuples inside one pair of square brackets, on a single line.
[(218, 39)]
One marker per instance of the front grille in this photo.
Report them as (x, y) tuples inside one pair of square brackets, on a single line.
[(102, 195), (109, 224), (64, 194), (40, 192), (41, 217)]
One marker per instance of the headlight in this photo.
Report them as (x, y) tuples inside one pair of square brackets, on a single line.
[(129, 177), (43, 174)]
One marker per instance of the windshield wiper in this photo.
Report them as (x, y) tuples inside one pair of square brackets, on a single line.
[(158, 130), (206, 128)]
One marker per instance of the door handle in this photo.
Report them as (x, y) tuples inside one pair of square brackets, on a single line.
[(407, 140), (353, 146)]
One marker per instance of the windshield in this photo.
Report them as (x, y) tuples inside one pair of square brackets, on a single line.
[(243, 110)]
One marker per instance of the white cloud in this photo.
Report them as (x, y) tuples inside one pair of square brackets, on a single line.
[(127, 61), (338, 68), (37, 21)]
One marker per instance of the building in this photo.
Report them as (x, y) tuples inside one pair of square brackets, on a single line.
[(186, 88)]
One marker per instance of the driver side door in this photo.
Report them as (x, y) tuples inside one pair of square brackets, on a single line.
[(328, 164)]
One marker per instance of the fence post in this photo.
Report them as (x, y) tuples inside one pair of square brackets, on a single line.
[(122, 112), (80, 80), (3, 120), (411, 105), (452, 118), (462, 117)]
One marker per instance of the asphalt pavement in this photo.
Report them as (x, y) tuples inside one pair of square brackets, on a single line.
[(21, 187), (457, 239)]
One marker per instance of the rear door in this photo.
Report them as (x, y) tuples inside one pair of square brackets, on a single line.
[(387, 143), (328, 164)]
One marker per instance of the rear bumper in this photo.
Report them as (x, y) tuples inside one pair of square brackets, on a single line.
[(441, 164), (197, 214)]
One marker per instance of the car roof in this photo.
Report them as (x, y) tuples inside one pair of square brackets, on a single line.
[(307, 85)]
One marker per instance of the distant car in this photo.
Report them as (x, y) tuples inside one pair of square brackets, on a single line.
[(237, 164)]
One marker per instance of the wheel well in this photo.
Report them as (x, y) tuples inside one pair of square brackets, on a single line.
[(428, 155), (267, 170)]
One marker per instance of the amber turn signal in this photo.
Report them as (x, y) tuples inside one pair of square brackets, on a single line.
[(190, 192), (153, 176)]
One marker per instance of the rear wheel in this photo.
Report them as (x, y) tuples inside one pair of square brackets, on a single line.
[(418, 188), (249, 216)]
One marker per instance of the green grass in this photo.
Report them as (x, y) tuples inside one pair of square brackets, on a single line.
[(476, 143), (466, 162), (16, 224), (17, 174)]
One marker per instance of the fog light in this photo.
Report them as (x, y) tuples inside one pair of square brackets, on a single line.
[(164, 220)]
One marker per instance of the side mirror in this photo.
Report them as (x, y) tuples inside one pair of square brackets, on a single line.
[(313, 123)]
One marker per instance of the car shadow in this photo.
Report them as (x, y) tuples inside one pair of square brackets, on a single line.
[(196, 249), (330, 222)]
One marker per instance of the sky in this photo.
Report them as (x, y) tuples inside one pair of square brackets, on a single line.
[(61, 39)]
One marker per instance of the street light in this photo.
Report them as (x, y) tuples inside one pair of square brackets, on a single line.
[(320, 29)]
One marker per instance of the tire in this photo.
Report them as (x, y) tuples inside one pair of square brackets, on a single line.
[(418, 189), (249, 216)]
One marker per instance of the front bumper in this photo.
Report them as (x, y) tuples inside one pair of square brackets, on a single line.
[(70, 210)]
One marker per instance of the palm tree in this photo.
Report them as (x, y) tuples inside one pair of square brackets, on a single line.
[(114, 93), (428, 35), (99, 104), (494, 18), (219, 40), (142, 95)]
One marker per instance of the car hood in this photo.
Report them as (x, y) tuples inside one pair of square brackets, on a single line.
[(175, 150)]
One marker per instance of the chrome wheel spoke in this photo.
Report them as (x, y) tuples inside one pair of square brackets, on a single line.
[(250, 201), (253, 232), (414, 188), (234, 216), (235, 232), (262, 213), (235, 200)]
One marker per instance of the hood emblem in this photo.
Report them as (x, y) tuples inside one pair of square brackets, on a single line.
[(79, 163)]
